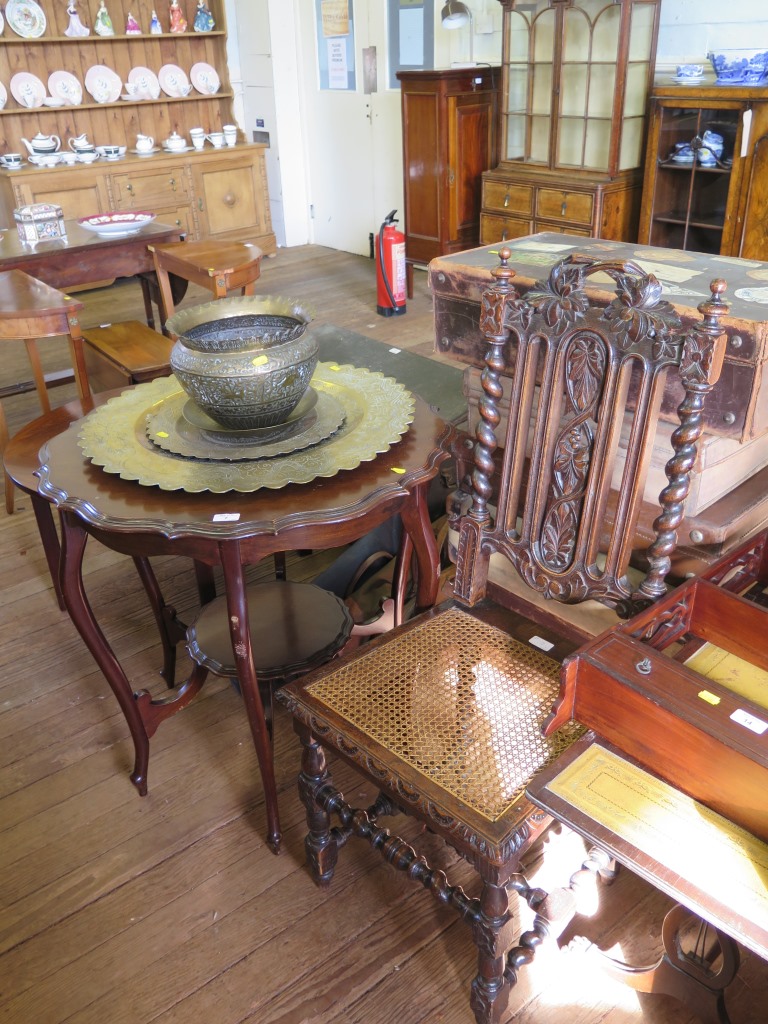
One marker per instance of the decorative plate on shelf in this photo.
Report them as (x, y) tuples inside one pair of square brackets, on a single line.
[(2, 23), (205, 79), (103, 84), (27, 89), (66, 87), (144, 83), (3, 96), (173, 81), (115, 224), (26, 18)]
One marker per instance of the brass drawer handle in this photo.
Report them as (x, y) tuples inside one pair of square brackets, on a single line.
[(172, 183), (562, 209), (507, 198), (129, 188), (229, 199)]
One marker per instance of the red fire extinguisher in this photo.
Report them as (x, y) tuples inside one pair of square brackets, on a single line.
[(390, 268)]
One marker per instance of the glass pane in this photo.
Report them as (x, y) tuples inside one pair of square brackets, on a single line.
[(544, 36), (641, 31), (542, 89), (518, 88), (631, 151), (637, 85), (598, 145), (519, 37), (601, 85), (539, 140), (570, 141), (515, 147), (573, 89), (605, 39), (578, 36)]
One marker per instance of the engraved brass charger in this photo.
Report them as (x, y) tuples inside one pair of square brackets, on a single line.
[(181, 427), (377, 411)]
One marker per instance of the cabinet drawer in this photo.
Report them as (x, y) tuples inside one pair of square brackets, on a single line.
[(507, 197), (494, 228), (575, 207), (231, 198), (134, 191), (181, 217)]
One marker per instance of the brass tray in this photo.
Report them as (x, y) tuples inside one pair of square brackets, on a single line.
[(181, 427), (377, 412)]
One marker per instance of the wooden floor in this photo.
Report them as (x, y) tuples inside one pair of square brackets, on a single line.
[(171, 908)]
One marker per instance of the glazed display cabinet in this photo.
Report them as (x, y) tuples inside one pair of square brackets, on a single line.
[(706, 181), (214, 191), (576, 76)]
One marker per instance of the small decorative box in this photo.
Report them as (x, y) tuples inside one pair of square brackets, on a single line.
[(39, 222)]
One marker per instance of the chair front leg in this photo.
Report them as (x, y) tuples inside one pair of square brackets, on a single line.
[(320, 844), (491, 931)]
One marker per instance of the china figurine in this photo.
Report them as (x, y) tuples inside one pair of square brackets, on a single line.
[(132, 27), (75, 28), (203, 18), (103, 24), (178, 21), (155, 28)]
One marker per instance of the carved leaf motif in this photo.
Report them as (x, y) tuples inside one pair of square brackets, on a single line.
[(639, 312), (586, 368), (560, 300), (571, 459), (559, 535), (696, 360)]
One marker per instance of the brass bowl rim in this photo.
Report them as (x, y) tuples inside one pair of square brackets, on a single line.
[(237, 305)]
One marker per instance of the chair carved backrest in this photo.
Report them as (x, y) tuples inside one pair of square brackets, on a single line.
[(578, 367)]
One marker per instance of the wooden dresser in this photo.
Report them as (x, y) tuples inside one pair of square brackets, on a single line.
[(207, 193), (732, 500)]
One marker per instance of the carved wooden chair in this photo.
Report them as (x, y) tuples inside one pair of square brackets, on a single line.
[(444, 715)]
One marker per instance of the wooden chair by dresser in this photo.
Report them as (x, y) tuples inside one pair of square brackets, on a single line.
[(444, 715), (31, 310)]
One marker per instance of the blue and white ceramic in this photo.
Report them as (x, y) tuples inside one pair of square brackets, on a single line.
[(739, 67)]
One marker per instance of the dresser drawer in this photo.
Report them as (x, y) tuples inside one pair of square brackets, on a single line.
[(134, 191), (507, 197), (494, 228), (574, 207)]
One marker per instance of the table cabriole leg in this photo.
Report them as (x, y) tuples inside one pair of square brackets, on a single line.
[(73, 540), (237, 608), (416, 521)]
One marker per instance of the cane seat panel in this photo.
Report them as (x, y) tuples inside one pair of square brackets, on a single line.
[(459, 701)]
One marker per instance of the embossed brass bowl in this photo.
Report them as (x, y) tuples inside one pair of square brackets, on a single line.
[(247, 360)]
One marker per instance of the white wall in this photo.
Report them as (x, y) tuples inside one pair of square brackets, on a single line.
[(266, 65)]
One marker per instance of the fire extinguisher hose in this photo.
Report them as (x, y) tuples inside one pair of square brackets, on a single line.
[(382, 264)]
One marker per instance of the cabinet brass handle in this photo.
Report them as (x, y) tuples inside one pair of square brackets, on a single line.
[(451, 177), (200, 203), (562, 209), (178, 222), (172, 183), (504, 235), (129, 187), (229, 199), (506, 199)]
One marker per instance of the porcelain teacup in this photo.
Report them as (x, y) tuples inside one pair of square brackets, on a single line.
[(690, 70), (12, 159), (216, 139), (230, 134), (87, 156)]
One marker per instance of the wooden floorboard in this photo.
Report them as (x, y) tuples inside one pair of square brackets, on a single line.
[(171, 908)]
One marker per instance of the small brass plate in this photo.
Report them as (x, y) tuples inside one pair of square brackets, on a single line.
[(377, 412), (181, 427)]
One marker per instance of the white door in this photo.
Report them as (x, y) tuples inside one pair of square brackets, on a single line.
[(354, 144)]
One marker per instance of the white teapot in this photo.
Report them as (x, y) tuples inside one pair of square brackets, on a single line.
[(43, 144), (175, 142)]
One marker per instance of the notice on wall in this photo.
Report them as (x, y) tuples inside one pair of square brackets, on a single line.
[(337, 64), (335, 17)]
